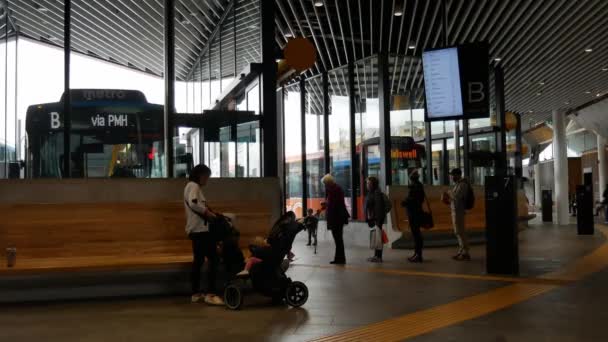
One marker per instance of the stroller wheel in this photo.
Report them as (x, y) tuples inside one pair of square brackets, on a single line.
[(233, 297), (296, 294)]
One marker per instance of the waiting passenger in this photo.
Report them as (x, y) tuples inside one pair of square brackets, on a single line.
[(337, 216), (377, 205), (198, 216), (311, 222), (457, 199), (413, 204)]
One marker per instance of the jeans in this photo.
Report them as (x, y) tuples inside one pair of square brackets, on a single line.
[(459, 231), (203, 246), (337, 232)]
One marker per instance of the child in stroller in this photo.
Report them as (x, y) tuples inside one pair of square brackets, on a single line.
[(268, 275)]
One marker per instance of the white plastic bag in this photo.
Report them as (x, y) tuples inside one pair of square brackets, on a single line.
[(375, 238)]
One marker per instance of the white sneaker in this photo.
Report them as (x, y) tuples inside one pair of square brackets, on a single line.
[(243, 273), (197, 297), (213, 300)]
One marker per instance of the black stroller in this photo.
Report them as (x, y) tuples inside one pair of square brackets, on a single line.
[(268, 277)]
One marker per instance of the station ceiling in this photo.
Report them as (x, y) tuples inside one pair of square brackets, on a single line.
[(554, 52)]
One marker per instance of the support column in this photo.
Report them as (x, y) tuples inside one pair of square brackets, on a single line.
[(457, 143), (384, 98), (560, 167), (169, 46), (268, 88), (67, 105), (602, 167), (537, 189)]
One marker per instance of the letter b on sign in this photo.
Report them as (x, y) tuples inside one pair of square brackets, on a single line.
[(476, 92), (55, 123)]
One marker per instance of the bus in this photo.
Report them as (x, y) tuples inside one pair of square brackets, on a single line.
[(406, 155), (114, 133)]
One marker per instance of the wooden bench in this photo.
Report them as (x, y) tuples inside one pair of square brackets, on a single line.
[(87, 224), (475, 220)]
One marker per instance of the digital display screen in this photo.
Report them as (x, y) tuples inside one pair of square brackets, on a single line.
[(442, 84)]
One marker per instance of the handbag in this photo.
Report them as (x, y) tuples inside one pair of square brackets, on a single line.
[(427, 217)]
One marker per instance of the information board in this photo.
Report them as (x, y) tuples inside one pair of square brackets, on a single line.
[(442, 84)]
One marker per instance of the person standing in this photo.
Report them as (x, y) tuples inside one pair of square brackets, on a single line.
[(336, 215), (376, 208), (605, 204), (413, 204), (198, 216), (457, 198)]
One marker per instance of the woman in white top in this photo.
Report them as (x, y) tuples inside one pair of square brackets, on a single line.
[(198, 216)]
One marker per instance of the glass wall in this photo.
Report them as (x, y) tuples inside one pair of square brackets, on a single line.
[(315, 143), (339, 131), (293, 149)]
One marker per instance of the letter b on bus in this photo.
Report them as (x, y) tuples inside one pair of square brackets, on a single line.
[(55, 123), (476, 92)]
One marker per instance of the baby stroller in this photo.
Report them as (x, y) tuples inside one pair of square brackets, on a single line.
[(268, 277)]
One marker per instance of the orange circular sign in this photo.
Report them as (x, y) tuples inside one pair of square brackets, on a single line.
[(300, 54)]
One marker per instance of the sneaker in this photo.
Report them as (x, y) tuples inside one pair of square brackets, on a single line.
[(337, 262), (197, 297), (374, 259), (465, 257), (213, 300), (243, 273), (457, 256)]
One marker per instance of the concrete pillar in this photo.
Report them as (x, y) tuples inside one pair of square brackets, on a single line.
[(560, 167), (537, 191), (602, 167)]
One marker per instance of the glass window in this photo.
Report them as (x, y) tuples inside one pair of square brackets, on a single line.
[(367, 105), (293, 149), (339, 131), (315, 144), (438, 162)]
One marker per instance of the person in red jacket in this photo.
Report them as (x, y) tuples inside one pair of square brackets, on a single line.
[(336, 215)]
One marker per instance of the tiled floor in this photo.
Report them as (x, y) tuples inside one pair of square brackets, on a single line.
[(342, 299)]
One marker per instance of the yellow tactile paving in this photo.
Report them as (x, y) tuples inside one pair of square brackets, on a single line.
[(421, 322), (547, 281)]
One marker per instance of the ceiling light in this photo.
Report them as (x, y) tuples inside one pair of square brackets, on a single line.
[(530, 111), (588, 50), (318, 3), (587, 92), (567, 102), (604, 69), (288, 35), (412, 45), (497, 59), (398, 12), (539, 93), (541, 83), (598, 95)]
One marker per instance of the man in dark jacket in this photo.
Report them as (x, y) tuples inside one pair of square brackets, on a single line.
[(413, 204), (336, 215)]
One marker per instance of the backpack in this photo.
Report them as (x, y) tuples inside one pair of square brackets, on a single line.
[(469, 202), (387, 203)]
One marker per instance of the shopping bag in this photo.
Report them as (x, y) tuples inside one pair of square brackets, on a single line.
[(384, 237)]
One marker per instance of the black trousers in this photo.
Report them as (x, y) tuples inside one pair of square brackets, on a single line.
[(337, 233), (312, 233), (203, 246), (418, 242)]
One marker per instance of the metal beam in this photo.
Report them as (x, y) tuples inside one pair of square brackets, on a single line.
[(268, 88), (212, 37)]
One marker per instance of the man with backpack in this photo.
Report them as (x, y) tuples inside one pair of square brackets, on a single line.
[(460, 199)]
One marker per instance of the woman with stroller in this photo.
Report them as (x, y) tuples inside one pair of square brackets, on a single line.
[(198, 216)]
